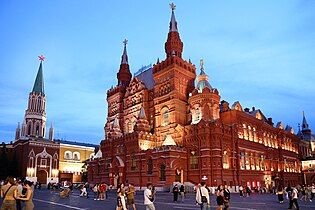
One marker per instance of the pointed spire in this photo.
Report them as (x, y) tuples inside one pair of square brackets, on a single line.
[(116, 123), (39, 81), (51, 132), (142, 114), (202, 72), (124, 75), (304, 123), (173, 45), (124, 57), (173, 23)]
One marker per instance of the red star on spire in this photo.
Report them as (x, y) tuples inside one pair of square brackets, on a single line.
[(41, 58)]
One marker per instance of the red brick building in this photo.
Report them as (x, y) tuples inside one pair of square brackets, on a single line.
[(168, 124)]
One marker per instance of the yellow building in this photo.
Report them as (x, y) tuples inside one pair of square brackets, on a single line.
[(72, 156)]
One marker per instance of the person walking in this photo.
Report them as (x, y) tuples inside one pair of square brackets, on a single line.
[(303, 192), (175, 193), (227, 197), (248, 191), (102, 189), (202, 197), (280, 194), (220, 197), (294, 199), (131, 197), (29, 205), (122, 193), (182, 192), (241, 190), (9, 193), (149, 197)]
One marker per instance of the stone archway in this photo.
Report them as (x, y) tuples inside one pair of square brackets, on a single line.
[(42, 176), (177, 166)]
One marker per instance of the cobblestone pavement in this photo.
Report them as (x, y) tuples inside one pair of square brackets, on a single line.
[(50, 200)]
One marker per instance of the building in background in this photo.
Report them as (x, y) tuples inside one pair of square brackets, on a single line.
[(36, 157), (308, 151), (72, 157), (168, 124)]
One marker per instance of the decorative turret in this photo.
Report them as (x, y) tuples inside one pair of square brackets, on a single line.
[(305, 128), (18, 132), (142, 122), (51, 132), (124, 75), (173, 45), (35, 115), (115, 131), (202, 79)]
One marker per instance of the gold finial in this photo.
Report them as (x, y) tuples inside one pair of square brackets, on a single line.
[(125, 42), (173, 6), (201, 64)]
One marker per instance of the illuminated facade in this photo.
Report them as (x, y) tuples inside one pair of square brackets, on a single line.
[(168, 124), (72, 156)]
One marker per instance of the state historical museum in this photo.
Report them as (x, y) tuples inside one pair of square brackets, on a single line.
[(168, 124)]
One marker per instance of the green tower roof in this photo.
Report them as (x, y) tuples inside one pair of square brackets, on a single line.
[(39, 81)]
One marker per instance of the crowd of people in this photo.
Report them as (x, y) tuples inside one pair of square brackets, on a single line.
[(17, 193)]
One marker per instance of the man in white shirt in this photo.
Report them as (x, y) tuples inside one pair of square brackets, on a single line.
[(149, 197), (294, 199), (202, 197)]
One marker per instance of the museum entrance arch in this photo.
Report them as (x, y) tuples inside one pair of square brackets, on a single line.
[(118, 172), (42, 176)]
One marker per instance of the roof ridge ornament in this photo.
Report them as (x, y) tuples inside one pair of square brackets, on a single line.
[(41, 58), (173, 6), (201, 64)]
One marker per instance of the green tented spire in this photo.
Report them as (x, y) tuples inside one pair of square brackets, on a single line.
[(39, 81)]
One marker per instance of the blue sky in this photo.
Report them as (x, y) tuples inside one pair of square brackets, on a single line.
[(261, 53)]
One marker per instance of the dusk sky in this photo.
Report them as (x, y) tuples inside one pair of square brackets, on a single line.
[(261, 53)]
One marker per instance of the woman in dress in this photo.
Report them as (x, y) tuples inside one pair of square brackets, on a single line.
[(220, 197), (121, 192), (9, 193), (29, 205)]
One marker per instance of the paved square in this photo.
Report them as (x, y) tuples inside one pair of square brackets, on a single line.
[(50, 200)]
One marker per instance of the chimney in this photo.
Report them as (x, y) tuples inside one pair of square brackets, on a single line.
[(253, 108), (270, 121), (246, 109)]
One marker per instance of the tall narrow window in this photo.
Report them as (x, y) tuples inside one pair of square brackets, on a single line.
[(162, 172), (242, 161), (150, 166), (225, 160), (165, 116), (133, 163), (193, 160)]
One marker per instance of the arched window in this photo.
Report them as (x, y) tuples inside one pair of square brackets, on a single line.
[(165, 116), (225, 160), (68, 155), (29, 128), (196, 114), (162, 172), (242, 161), (37, 129), (150, 166), (76, 156), (193, 160)]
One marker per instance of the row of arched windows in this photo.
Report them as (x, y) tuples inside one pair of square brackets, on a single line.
[(68, 155), (268, 139)]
